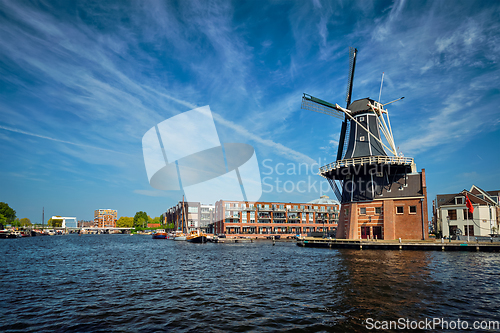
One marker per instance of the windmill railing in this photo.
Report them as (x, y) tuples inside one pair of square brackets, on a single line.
[(393, 160)]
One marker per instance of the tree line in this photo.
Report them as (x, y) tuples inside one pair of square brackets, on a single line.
[(8, 216), (140, 220)]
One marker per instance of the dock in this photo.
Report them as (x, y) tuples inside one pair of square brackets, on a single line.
[(396, 245), (231, 240)]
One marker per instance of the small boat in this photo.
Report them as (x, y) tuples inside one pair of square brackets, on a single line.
[(159, 234), (171, 235), (196, 236), (180, 237)]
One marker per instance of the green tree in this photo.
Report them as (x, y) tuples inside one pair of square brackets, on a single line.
[(15, 223), (140, 215), (125, 222), (6, 213), (25, 222), (141, 223)]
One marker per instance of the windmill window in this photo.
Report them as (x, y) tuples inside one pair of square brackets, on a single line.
[(361, 118), (361, 138), (379, 174)]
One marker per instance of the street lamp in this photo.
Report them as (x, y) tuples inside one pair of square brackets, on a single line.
[(449, 233)]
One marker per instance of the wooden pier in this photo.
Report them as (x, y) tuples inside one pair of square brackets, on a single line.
[(396, 245)]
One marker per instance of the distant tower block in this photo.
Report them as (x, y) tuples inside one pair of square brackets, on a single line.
[(382, 194)]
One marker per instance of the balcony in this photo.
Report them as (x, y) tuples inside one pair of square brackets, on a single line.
[(295, 210), (264, 216), (264, 209)]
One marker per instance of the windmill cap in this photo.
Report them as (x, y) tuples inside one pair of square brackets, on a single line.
[(361, 106)]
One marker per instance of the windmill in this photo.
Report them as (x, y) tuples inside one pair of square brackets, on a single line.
[(365, 165)]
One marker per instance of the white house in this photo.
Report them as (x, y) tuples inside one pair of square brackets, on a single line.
[(453, 217)]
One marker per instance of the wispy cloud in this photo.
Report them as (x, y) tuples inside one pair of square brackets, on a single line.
[(58, 140), (277, 147)]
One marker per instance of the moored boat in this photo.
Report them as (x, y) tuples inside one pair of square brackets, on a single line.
[(159, 234), (196, 236), (179, 236)]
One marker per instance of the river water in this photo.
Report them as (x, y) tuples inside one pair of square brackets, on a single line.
[(121, 283)]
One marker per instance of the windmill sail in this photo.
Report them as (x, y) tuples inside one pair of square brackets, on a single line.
[(345, 124)]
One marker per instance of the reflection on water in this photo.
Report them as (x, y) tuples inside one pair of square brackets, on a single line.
[(123, 283)]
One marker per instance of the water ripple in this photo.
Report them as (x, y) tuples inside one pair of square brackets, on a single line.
[(104, 283)]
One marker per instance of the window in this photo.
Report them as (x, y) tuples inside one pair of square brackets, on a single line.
[(193, 209), (362, 211), (400, 210), (413, 209), (459, 201), (468, 216), (378, 210), (361, 118), (362, 138), (452, 213)]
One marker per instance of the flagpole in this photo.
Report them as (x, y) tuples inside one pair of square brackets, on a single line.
[(468, 231)]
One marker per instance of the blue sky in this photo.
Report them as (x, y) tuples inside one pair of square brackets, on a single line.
[(81, 82)]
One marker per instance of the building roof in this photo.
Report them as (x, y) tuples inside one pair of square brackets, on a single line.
[(449, 199), (324, 200), (483, 194)]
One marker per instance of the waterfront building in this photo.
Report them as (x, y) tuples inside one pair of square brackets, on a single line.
[(453, 218), (85, 224), (105, 218), (261, 219), (194, 216), (67, 222)]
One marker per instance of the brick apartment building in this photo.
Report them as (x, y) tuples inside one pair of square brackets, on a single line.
[(265, 218), (194, 216), (105, 218)]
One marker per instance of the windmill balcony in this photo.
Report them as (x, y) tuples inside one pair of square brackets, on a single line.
[(393, 160)]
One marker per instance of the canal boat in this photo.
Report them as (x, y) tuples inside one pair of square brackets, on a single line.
[(179, 236), (196, 236), (159, 234)]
